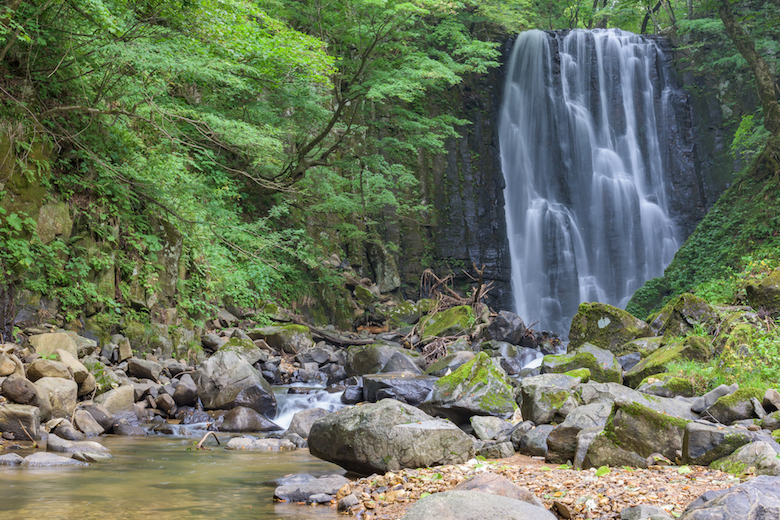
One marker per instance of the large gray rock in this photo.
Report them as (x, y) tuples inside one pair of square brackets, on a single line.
[(301, 491), (477, 388), (290, 339), (227, 379), (370, 359), (76, 368), (252, 444), (10, 364), (611, 392), (603, 451), (246, 349), (473, 505), (47, 344), (734, 407), (756, 499), (41, 368), (562, 441), (705, 443), (117, 400), (186, 393), (61, 394), (534, 441), (708, 399), (302, 421), (449, 363), (45, 459), (489, 428), (144, 369), (23, 421), (240, 419), (606, 327), (406, 387), (87, 424), (602, 364), (493, 484), (548, 398), (506, 326), (400, 362), (10, 459), (59, 445), (20, 390), (387, 436), (761, 456), (645, 431), (100, 414)]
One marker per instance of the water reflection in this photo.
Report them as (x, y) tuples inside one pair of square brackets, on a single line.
[(157, 477)]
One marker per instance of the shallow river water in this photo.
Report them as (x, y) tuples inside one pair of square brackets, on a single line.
[(157, 477)]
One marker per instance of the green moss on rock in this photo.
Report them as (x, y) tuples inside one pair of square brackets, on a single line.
[(606, 327), (451, 322), (582, 373), (765, 295)]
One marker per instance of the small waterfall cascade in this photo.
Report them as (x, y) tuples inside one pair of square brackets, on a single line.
[(583, 133)]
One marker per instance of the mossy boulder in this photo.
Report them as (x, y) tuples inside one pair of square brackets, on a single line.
[(645, 346), (643, 430), (682, 314), (705, 443), (452, 322), (405, 312), (606, 327), (582, 373), (736, 406), (760, 456), (478, 387), (605, 451), (243, 348), (372, 358), (288, 338), (765, 295), (692, 348), (666, 385), (449, 363), (548, 397), (603, 366), (363, 296)]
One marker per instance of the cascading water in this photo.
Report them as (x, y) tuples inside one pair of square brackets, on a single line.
[(585, 167)]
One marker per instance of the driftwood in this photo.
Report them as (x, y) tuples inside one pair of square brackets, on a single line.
[(200, 444)]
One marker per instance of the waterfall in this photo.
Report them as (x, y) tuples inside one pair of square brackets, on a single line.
[(584, 162)]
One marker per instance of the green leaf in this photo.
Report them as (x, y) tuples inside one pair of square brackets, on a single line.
[(603, 470), (682, 470)]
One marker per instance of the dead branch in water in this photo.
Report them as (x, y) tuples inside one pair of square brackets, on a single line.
[(200, 444)]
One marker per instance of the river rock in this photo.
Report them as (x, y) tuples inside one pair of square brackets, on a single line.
[(240, 419), (387, 436), (123, 428), (86, 456), (76, 368), (477, 388), (370, 359), (645, 431), (407, 387), (771, 422), (756, 499), (88, 387), (534, 441), (47, 344), (704, 443), (401, 362), (100, 414), (680, 315), (606, 327), (211, 342), (451, 322), (562, 441), (302, 491), (694, 348), (64, 430), (45, 459), (667, 386), (41, 368), (87, 424), (734, 407), (495, 450), (290, 338), (117, 400), (186, 393), (603, 451), (506, 326), (469, 505), (548, 397), (166, 404), (602, 364), (10, 459), (60, 445), (144, 369), (761, 456), (226, 380), (302, 421), (252, 444), (10, 364), (23, 421), (771, 401), (644, 512), (61, 394), (493, 484), (449, 363), (20, 390)]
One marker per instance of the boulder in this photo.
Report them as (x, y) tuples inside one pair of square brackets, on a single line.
[(61, 394), (43, 459), (695, 348), (548, 397), (88, 387), (240, 419), (734, 407), (253, 444), (20, 390), (290, 338), (64, 429), (771, 401), (372, 358), (765, 294), (644, 430), (47, 344), (166, 404), (493, 484), (406, 387), (604, 451), (452, 322), (246, 349), (449, 363), (387, 436), (469, 505), (562, 441), (534, 442), (23, 421), (100, 414), (117, 400), (756, 499), (126, 429), (400, 362), (758, 457), (41, 368), (644, 512), (606, 327), (10, 364), (506, 326), (384, 266), (771, 422), (667, 386), (302, 421), (87, 424), (705, 401), (488, 428), (302, 490), (186, 393), (226, 380), (495, 450), (705, 443), (10, 459), (76, 368), (512, 358), (209, 341), (602, 364), (681, 315), (144, 369), (59, 445), (476, 388)]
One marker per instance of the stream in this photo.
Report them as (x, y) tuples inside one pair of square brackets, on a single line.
[(164, 477)]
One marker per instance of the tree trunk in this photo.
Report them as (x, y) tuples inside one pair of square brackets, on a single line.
[(764, 82)]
